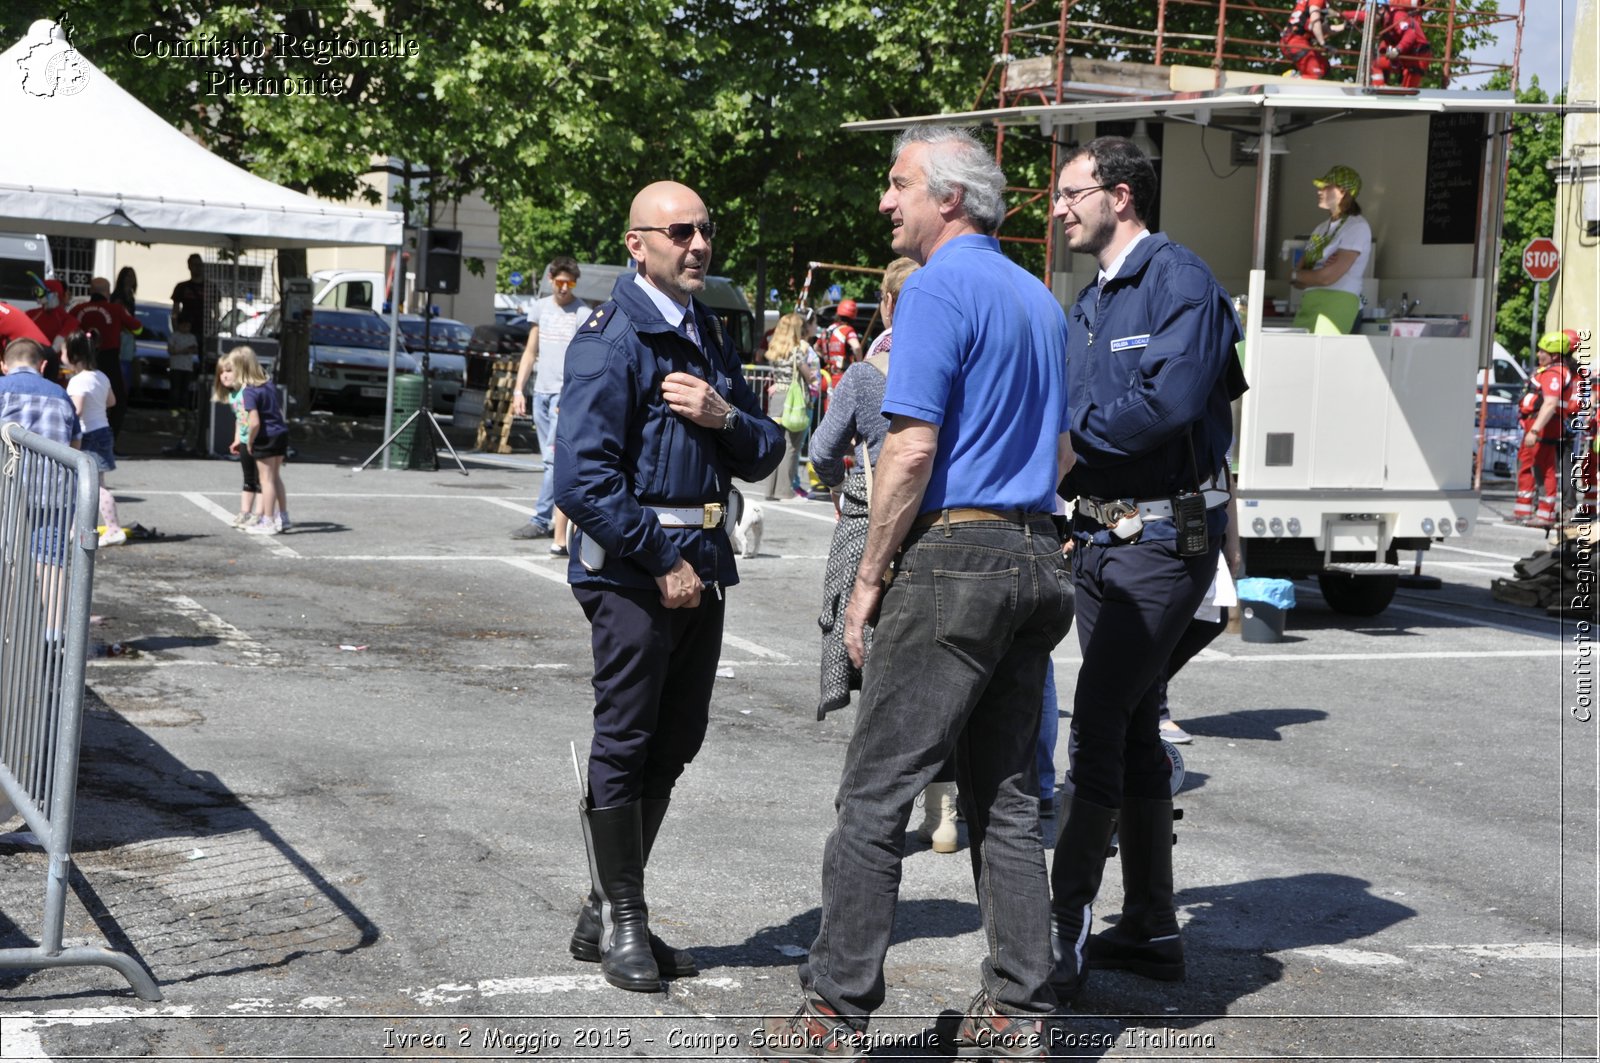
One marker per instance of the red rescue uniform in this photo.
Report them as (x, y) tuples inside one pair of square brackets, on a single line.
[(1538, 472), (836, 347), (1299, 42), (1403, 50)]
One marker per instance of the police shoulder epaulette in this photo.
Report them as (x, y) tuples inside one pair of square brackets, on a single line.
[(597, 320)]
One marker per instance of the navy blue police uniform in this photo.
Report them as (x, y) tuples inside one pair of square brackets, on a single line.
[(1151, 373), (649, 487)]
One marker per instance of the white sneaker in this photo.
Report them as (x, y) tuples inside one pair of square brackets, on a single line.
[(1175, 734), (243, 520), (114, 537), (284, 524), (264, 527)]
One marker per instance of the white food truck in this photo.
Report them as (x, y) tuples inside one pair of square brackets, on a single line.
[(1351, 451)]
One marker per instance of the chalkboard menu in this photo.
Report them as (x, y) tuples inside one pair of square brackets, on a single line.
[(1455, 177)]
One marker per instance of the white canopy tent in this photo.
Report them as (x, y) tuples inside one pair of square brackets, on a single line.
[(143, 180)]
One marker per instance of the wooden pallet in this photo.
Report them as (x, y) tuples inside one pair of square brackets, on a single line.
[(494, 430)]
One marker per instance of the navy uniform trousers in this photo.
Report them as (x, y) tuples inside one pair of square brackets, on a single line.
[(653, 672), (1135, 601)]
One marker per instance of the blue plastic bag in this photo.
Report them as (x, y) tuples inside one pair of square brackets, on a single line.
[(1275, 592)]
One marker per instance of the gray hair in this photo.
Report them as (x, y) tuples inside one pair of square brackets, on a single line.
[(957, 159)]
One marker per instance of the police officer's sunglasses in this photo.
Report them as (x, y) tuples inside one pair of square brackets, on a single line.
[(680, 231)]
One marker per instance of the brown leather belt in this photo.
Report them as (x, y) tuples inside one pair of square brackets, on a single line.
[(966, 515)]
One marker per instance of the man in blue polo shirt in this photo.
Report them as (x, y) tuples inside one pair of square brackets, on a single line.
[(963, 572)]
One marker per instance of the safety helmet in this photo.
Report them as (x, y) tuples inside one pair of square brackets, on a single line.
[(847, 308), (1574, 341), (1343, 178), (1557, 343)]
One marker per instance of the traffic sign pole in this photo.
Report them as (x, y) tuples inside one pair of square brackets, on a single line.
[(1541, 260), (1533, 341)]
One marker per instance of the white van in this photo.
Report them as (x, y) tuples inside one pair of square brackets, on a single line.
[(1505, 376), (354, 289), (25, 264)]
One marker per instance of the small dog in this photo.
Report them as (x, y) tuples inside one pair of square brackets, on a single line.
[(746, 535)]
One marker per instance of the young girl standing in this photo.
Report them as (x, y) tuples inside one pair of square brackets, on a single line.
[(91, 395), (262, 440), (227, 388)]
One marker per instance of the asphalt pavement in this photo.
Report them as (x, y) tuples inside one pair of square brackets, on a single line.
[(327, 796)]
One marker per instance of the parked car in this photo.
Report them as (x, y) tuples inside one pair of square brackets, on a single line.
[(1502, 436), (147, 376), (448, 342), (349, 355)]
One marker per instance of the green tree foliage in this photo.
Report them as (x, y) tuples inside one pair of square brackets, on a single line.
[(1529, 212), (560, 109), (754, 126)]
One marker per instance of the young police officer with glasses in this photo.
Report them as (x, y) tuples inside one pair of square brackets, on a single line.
[(1151, 372)]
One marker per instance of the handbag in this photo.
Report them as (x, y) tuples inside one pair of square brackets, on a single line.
[(796, 414)]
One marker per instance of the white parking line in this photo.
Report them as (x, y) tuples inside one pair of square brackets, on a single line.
[(1471, 566), (1476, 553), (754, 648), (508, 504), (1434, 614), (545, 570), (207, 506), (1291, 657), (247, 648), (800, 509)]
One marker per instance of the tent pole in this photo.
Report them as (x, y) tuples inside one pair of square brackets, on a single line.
[(394, 333)]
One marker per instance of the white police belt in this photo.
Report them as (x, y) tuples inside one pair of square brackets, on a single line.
[(1110, 511), (710, 515)]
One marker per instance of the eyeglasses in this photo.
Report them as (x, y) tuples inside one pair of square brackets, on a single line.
[(564, 286), (680, 231), (1072, 196)]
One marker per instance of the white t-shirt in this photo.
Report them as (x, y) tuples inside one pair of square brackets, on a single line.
[(1350, 233), (557, 325), (95, 388)]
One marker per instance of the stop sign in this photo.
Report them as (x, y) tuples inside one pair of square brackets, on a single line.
[(1541, 259)]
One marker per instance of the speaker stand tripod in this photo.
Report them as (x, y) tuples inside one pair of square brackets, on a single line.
[(425, 411)]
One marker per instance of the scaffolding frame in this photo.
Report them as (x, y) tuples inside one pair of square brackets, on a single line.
[(1227, 47)]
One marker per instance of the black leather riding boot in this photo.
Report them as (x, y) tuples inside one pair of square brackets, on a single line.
[(616, 874), (1146, 939), (585, 944), (1075, 874)]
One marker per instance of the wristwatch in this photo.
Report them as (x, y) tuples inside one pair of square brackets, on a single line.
[(732, 419)]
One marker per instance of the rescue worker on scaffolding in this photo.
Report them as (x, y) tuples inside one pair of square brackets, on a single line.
[(1401, 50), (1544, 408), (1305, 38)]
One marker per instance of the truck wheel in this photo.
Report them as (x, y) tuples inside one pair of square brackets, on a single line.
[(1357, 595)]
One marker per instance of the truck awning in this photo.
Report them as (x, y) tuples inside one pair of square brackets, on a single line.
[(1308, 101)]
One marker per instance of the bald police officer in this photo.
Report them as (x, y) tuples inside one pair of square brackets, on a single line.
[(656, 423)]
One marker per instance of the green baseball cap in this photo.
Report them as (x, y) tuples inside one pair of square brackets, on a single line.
[(1341, 177)]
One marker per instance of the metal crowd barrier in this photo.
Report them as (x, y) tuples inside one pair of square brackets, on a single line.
[(49, 504)]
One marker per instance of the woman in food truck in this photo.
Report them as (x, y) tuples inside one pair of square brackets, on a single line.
[(1336, 258)]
